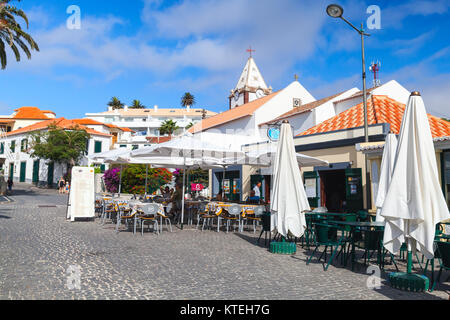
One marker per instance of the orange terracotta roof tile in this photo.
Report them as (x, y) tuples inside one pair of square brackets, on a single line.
[(127, 129), (380, 109), (31, 113), (59, 122), (158, 139), (233, 114), (87, 121)]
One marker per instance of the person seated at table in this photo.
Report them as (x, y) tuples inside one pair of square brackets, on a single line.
[(165, 193), (252, 199), (219, 196), (176, 200)]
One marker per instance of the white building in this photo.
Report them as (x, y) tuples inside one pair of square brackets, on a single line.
[(23, 117), (21, 167), (251, 104), (145, 123)]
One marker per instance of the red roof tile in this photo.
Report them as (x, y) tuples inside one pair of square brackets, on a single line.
[(380, 109), (158, 139), (60, 123), (31, 113)]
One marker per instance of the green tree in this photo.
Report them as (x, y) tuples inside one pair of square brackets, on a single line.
[(12, 34), (63, 146), (190, 125), (115, 103), (168, 127), (136, 104), (187, 100)]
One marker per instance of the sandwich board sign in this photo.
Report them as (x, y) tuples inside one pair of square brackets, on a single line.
[(82, 194)]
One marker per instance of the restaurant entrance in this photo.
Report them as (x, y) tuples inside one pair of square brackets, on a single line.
[(332, 191), (337, 187)]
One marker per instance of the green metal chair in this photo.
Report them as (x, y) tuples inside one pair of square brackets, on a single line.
[(328, 235), (443, 250), (362, 215), (372, 241)]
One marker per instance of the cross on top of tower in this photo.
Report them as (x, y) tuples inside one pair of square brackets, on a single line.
[(249, 50)]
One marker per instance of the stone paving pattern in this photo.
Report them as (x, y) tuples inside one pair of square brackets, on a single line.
[(38, 244)]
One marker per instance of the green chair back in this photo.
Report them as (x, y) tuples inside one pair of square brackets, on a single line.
[(444, 252)]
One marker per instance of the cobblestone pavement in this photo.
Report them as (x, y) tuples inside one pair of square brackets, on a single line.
[(38, 245)]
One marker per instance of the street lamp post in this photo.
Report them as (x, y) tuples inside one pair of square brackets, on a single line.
[(336, 11)]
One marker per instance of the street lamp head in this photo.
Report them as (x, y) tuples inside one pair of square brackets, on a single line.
[(335, 11)]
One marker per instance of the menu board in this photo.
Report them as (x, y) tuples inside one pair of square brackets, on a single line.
[(236, 186), (310, 188), (82, 194), (226, 186)]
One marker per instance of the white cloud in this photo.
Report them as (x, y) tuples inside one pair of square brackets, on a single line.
[(427, 78), (393, 16)]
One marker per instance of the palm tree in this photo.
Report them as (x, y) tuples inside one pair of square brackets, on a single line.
[(168, 127), (12, 34), (115, 103), (190, 125), (187, 100), (136, 104)]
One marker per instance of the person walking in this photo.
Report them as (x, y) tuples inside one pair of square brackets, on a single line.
[(10, 184), (61, 185)]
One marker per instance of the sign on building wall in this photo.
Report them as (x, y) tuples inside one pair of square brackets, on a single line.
[(82, 194)]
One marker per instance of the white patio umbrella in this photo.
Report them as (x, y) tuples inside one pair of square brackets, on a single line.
[(414, 203), (288, 197), (194, 152), (265, 154), (387, 167)]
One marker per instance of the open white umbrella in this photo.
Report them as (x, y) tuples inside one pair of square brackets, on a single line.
[(265, 154), (289, 200), (414, 203), (387, 167), (194, 152)]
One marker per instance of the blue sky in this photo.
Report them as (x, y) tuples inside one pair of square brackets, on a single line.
[(155, 50)]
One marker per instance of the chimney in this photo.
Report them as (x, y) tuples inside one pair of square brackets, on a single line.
[(110, 108), (125, 108), (155, 108), (188, 108)]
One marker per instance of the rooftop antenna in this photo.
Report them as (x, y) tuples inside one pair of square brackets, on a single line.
[(375, 68)]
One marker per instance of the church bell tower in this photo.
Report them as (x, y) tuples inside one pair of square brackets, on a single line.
[(250, 86)]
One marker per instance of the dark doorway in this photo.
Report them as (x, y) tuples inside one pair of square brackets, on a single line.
[(333, 191)]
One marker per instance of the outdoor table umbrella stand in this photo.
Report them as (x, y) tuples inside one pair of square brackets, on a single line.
[(408, 280)]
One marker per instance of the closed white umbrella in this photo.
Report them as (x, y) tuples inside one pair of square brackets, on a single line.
[(387, 167), (191, 152), (288, 197), (414, 203)]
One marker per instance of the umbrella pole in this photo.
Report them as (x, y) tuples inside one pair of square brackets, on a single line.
[(120, 180), (182, 194), (146, 178), (182, 200), (409, 266), (223, 183)]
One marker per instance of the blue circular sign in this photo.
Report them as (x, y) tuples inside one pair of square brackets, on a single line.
[(273, 133)]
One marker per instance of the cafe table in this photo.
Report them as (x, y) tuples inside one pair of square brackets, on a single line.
[(327, 216), (136, 204), (359, 225), (224, 205)]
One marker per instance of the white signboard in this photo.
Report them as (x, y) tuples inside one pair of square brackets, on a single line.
[(310, 188), (82, 194)]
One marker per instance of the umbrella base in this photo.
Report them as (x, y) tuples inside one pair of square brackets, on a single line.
[(283, 247), (408, 281)]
